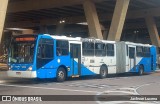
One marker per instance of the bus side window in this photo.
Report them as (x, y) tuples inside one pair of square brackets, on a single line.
[(103, 50), (147, 52), (58, 52), (88, 48), (131, 52), (39, 51), (99, 49), (139, 51), (127, 49), (45, 52), (84, 47), (110, 49), (62, 47)]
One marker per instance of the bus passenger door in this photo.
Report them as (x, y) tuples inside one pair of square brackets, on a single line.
[(75, 51), (132, 60)]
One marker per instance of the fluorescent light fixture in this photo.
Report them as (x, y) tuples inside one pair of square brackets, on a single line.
[(83, 23), (20, 29)]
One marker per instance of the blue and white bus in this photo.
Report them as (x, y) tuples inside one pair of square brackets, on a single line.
[(47, 56)]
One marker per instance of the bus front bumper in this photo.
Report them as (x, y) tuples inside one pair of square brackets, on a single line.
[(22, 74)]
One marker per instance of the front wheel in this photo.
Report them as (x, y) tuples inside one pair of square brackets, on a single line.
[(103, 72), (61, 74)]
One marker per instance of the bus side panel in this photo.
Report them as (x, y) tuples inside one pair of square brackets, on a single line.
[(62, 61), (42, 71), (153, 56), (139, 60), (98, 62), (110, 61), (146, 62), (86, 71), (50, 69), (121, 57), (88, 66)]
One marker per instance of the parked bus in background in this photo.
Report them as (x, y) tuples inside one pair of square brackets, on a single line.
[(46, 56)]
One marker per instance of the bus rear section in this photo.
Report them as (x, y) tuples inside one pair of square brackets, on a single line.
[(135, 57)]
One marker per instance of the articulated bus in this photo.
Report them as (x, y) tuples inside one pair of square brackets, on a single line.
[(48, 56)]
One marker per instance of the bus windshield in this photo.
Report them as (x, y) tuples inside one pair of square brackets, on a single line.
[(22, 52)]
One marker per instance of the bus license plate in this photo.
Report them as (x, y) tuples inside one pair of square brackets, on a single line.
[(18, 73)]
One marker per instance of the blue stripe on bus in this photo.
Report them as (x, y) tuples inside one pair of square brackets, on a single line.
[(51, 73)]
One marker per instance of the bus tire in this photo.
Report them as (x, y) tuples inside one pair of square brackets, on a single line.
[(61, 74), (141, 70), (103, 72)]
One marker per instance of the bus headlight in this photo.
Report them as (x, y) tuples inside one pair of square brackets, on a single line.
[(10, 67), (30, 68)]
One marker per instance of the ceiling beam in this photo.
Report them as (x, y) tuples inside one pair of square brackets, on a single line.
[(27, 5), (143, 13), (76, 19), (68, 20), (149, 2)]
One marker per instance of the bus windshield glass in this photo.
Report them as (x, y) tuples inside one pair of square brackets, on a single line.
[(22, 51)]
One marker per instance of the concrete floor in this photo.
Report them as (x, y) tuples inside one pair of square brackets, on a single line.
[(125, 84)]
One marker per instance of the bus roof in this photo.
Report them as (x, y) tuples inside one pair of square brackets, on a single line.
[(94, 39), (137, 44), (66, 38)]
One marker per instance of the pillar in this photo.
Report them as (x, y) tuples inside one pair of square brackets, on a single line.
[(118, 19), (152, 29), (3, 9), (92, 19), (104, 32)]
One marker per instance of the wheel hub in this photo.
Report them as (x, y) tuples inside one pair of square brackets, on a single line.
[(61, 74), (103, 72)]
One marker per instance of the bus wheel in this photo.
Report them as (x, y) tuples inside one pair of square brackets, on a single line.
[(141, 70), (61, 74), (103, 72)]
